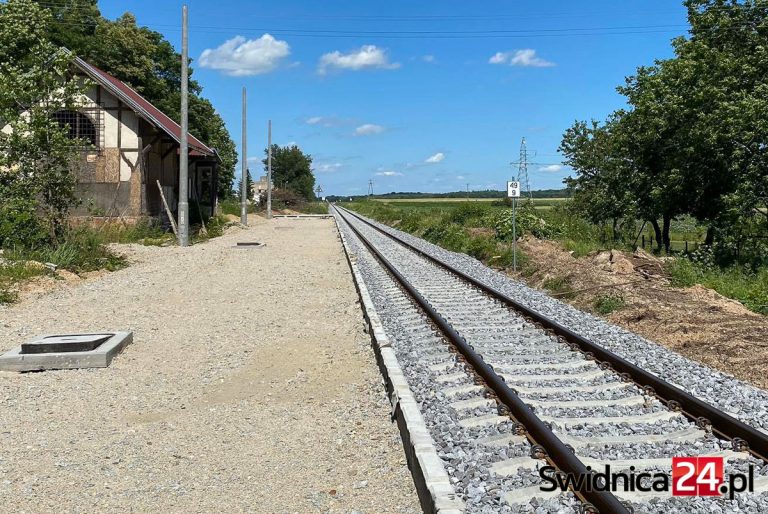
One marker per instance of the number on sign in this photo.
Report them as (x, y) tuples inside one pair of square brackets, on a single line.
[(697, 476)]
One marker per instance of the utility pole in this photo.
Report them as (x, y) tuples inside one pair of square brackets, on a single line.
[(467, 191), (269, 170), (184, 136), (370, 187), (244, 158)]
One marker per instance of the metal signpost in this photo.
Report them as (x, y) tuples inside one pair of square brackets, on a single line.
[(513, 192)]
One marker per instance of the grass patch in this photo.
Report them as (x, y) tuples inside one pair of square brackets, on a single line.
[(232, 206), (608, 303), (559, 286), (313, 208), (750, 287), (214, 228), (83, 249), (14, 272), (146, 231)]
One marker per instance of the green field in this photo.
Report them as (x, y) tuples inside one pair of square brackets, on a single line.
[(447, 203)]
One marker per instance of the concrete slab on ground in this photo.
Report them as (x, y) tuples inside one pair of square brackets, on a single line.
[(50, 351)]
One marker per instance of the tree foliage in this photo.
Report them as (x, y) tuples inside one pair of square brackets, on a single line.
[(694, 139), (292, 170), (147, 62), (248, 186), (37, 158)]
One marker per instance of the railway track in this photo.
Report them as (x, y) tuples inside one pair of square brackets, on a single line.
[(506, 392)]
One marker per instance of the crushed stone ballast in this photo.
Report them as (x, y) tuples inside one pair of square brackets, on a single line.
[(496, 389)]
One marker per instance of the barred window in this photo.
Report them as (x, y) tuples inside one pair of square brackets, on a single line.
[(79, 125)]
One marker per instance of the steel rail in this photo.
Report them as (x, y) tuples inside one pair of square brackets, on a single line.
[(560, 455), (743, 436)]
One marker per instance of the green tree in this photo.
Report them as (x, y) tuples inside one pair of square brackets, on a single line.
[(292, 170), (694, 139), (74, 22), (147, 62), (38, 160), (601, 190), (248, 185)]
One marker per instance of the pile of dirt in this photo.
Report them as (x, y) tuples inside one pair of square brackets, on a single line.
[(695, 321)]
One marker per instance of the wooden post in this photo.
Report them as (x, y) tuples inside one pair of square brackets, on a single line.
[(168, 211)]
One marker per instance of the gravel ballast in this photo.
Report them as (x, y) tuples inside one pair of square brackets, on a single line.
[(473, 466), (743, 401), (250, 387)]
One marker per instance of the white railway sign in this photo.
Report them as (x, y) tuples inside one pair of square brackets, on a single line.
[(513, 189)]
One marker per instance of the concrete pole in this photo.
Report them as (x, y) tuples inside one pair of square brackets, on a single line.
[(183, 144), (244, 158), (269, 171)]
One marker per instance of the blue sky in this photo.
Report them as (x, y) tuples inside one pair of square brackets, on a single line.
[(424, 96)]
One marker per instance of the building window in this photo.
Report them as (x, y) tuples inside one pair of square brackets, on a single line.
[(79, 125)]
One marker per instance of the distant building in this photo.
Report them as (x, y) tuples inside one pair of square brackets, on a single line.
[(259, 188)]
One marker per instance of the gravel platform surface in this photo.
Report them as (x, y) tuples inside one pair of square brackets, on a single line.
[(250, 387)]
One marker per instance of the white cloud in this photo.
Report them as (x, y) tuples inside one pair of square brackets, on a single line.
[(428, 58), (438, 157), (552, 168), (328, 167), (366, 57), (389, 174), (526, 57), (327, 121), (289, 144), (498, 58), (369, 129), (460, 177), (241, 57)]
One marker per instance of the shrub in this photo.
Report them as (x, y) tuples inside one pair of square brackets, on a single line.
[(19, 223), (464, 213), (527, 220)]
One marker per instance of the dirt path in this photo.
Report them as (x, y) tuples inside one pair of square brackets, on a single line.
[(250, 387), (695, 321)]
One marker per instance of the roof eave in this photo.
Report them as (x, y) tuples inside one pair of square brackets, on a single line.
[(88, 69)]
